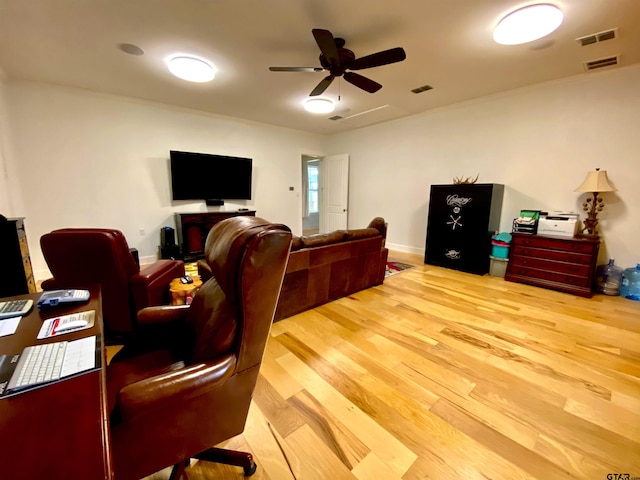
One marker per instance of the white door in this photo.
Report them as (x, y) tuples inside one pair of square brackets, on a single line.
[(335, 193)]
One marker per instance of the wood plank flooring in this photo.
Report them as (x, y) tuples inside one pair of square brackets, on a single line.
[(439, 374)]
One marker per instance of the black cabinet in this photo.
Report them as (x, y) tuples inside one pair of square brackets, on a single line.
[(16, 275), (461, 220)]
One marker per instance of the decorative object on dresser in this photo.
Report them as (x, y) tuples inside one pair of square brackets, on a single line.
[(596, 182), (461, 220), (17, 274), (559, 263)]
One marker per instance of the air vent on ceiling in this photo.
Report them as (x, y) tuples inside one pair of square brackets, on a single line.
[(336, 117), (601, 62), (597, 37), (424, 88)]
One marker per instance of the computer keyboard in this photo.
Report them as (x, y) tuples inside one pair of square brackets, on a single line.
[(15, 308), (39, 364)]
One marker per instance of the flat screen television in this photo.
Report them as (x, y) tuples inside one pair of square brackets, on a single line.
[(213, 178)]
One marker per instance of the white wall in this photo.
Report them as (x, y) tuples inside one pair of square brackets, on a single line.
[(538, 141), (76, 158), (85, 159), (6, 208)]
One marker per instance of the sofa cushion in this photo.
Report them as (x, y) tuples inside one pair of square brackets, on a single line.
[(359, 233), (319, 239)]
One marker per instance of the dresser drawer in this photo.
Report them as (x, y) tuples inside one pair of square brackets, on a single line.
[(558, 255), (564, 245), (560, 278), (194, 218), (551, 265)]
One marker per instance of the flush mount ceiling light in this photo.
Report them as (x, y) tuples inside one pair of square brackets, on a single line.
[(191, 68), (527, 24), (319, 105)]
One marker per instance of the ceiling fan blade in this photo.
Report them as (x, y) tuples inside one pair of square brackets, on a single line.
[(296, 69), (385, 57), (322, 86), (362, 82), (327, 44)]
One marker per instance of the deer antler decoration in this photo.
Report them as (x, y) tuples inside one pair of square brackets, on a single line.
[(460, 181)]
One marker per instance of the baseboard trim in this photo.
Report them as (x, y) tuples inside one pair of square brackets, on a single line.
[(405, 248)]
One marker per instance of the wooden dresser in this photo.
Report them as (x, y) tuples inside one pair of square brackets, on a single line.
[(16, 277), (193, 229), (559, 263)]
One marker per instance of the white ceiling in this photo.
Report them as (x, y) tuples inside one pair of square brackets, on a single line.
[(448, 45)]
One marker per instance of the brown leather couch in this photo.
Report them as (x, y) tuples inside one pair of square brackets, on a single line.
[(328, 266), (325, 267)]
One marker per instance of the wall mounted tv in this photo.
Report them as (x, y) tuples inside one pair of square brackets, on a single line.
[(213, 178)]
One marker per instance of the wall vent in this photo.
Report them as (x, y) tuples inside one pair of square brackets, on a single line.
[(597, 37), (601, 63), (424, 88)]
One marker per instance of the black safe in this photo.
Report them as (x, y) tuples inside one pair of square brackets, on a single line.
[(462, 219)]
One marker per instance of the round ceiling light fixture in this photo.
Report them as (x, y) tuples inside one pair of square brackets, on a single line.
[(319, 105), (131, 49), (528, 24), (191, 68)]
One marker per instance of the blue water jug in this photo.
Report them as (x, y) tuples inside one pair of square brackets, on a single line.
[(630, 285), (608, 278)]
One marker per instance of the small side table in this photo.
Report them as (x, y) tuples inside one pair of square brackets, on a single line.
[(182, 293)]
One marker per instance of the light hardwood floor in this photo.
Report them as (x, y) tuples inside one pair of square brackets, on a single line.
[(445, 375)]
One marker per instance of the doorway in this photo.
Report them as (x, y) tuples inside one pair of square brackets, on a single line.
[(310, 195), (325, 193)]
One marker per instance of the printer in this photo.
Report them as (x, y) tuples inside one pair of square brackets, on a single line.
[(562, 224)]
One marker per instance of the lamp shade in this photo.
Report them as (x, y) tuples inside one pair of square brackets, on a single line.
[(596, 181)]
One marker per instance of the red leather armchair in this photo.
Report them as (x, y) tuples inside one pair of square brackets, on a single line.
[(78, 257), (185, 384)]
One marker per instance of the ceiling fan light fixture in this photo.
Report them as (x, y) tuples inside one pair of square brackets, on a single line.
[(191, 68), (319, 105), (528, 24)]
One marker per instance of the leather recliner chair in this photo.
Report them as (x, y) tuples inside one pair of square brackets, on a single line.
[(185, 384), (80, 257)]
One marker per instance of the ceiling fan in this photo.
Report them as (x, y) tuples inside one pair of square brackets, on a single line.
[(337, 60)]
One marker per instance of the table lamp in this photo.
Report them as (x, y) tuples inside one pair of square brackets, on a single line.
[(596, 182)]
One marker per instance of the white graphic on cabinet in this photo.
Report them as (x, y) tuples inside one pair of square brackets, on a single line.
[(456, 201), (455, 222), (453, 254)]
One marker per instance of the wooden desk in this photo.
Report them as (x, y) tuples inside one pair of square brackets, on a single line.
[(59, 431)]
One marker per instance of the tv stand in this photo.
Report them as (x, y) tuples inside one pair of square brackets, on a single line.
[(214, 202), (193, 228)]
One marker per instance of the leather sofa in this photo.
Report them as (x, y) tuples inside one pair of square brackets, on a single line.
[(327, 266)]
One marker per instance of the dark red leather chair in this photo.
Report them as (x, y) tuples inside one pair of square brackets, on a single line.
[(185, 384), (78, 257)]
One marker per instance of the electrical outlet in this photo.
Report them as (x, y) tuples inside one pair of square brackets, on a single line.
[(141, 232)]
